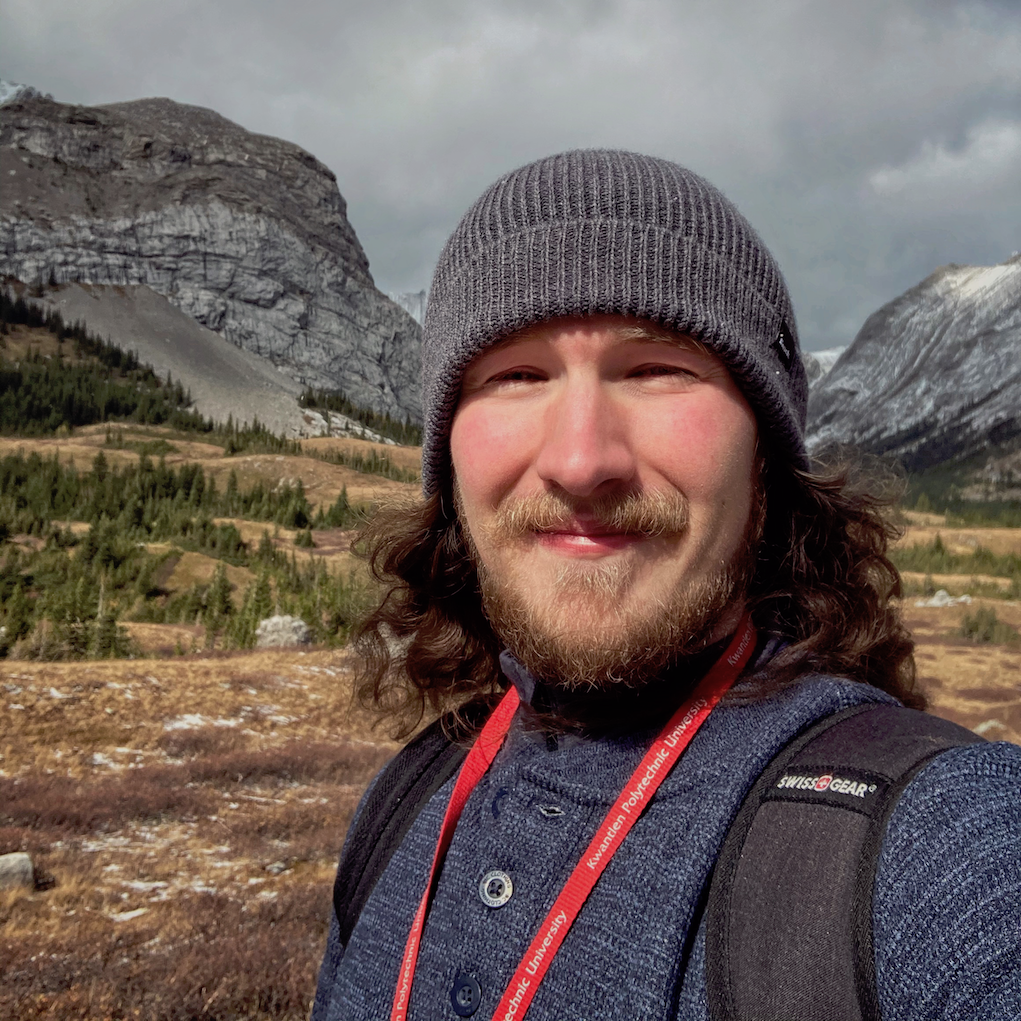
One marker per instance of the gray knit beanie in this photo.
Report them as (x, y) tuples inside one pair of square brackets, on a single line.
[(605, 232)]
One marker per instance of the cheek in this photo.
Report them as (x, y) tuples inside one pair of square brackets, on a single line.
[(708, 448), (488, 453)]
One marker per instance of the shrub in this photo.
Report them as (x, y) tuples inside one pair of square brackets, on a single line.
[(984, 627)]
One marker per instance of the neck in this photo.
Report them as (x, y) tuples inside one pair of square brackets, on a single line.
[(611, 711)]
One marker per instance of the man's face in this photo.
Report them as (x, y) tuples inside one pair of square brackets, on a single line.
[(606, 475)]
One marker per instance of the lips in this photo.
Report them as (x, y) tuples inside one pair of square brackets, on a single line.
[(586, 539)]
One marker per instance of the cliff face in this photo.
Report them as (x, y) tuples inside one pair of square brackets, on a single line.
[(246, 234), (933, 376)]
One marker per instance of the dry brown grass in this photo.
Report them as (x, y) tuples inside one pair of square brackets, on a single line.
[(196, 568), (165, 639), (956, 584), (323, 482), (962, 541), (403, 457), (331, 544), (190, 812), (978, 686)]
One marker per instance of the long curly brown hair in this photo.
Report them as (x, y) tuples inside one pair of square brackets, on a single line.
[(823, 582)]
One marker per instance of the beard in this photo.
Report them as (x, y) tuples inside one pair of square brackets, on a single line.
[(580, 631)]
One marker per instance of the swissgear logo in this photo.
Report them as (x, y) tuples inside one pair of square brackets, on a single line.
[(826, 782)]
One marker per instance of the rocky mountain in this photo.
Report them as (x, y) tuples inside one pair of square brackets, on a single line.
[(933, 376), (819, 363), (246, 234), (224, 381), (413, 302)]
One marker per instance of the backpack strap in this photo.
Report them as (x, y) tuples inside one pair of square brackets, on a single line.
[(789, 917), (408, 781)]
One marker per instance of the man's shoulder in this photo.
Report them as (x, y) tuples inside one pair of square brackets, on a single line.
[(947, 889)]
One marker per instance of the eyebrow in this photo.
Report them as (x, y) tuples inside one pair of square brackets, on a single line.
[(650, 332)]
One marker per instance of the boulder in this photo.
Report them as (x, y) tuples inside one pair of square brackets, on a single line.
[(275, 632), (16, 870)]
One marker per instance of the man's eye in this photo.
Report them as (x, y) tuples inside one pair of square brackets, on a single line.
[(662, 370), (514, 376)]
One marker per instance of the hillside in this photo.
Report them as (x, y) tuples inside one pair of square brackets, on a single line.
[(245, 234), (934, 378), (129, 522)]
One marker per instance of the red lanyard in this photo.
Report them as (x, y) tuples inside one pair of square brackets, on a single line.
[(637, 793)]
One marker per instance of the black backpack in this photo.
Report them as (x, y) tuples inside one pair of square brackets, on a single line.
[(789, 914)]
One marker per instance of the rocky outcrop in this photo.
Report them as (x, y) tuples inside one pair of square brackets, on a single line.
[(281, 632), (11, 92), (246, 234), (932, 377)]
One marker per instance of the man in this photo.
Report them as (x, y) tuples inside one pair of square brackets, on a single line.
[(620, 531)]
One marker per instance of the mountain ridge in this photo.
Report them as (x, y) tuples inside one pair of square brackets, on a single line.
[(933, 376), (245, 233)]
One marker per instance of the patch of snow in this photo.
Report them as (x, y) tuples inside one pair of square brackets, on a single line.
[(827, 358), (988, 725), (413, 302), (11, 92), (125, 916), (144, 887), (192, 721), (105, 843), (943, 598), (971, 282)]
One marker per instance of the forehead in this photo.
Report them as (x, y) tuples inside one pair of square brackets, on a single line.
[(624, 329)]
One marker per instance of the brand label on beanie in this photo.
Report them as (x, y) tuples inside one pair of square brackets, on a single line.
[(784, 346)]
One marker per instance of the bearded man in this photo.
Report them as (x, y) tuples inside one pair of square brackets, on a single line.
[(630, 595)]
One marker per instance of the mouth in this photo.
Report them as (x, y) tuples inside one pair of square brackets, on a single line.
[(579, 538)]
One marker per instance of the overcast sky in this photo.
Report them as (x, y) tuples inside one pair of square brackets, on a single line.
[(868, 141)]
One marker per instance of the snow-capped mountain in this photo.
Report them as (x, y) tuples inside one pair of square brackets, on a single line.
[(933, 376)]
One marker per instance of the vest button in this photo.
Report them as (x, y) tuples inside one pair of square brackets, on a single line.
[(465, 996), (496, 889)]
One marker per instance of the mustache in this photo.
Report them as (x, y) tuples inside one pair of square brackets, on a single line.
[(649, 513)]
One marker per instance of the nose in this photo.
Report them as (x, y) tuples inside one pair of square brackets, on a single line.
[(585, 448)]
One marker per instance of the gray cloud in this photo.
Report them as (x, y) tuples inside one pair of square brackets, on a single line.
[(869, 143)]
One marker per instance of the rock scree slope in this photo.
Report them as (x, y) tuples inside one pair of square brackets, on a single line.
[(245, 233), (933, 376)]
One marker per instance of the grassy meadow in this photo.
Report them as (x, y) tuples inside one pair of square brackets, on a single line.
[(185, 812), (188, 812)]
